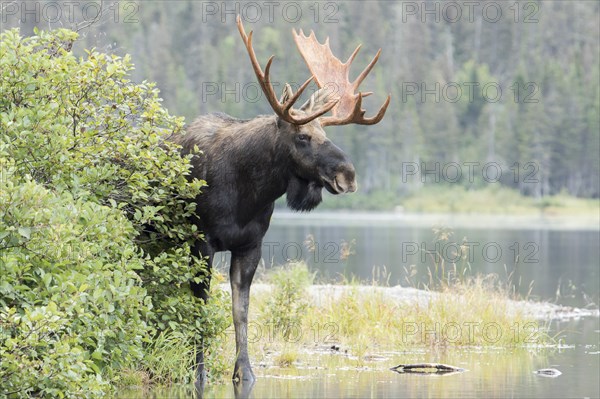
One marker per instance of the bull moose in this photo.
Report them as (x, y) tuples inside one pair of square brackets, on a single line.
[(248, 164)]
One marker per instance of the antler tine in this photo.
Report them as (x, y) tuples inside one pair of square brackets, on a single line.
[(356, 112), (380, 114), (366, 71), (357, 116), (288, 104), (264, 80), (351, 58), (325, 109), (328, 69), (263, 77)]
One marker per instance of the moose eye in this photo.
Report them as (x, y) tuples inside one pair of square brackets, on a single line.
[(303, 137)]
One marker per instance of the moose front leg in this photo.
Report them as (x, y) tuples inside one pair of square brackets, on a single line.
[(241, 273)]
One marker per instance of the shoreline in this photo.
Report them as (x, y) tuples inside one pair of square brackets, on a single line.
[(319, 294), (589, 222)]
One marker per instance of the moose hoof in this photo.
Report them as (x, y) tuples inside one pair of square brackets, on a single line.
[(243, 373)]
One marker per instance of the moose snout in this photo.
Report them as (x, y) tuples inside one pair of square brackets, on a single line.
[(336, 170), (345, 179)]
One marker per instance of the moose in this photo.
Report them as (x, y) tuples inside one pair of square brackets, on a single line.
[(248, 164)]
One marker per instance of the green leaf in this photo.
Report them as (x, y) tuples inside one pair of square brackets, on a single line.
[(24, 232), (47, 280)]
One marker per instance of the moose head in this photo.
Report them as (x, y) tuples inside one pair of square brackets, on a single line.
[(316, 161)]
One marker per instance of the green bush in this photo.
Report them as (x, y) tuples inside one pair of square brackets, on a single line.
[(285, 308), (94, 228), (71, 302)]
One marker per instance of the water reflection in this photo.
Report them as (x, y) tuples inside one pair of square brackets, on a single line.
[(242, 389), (490, 372)]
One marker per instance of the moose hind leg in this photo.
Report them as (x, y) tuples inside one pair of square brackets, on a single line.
[(201, 290), (203, 250), (242, 271)]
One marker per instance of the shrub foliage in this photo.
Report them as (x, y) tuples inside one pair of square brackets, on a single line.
[(94, 231)]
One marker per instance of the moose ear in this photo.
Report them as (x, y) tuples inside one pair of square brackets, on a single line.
[(318, 99), (287, 93)]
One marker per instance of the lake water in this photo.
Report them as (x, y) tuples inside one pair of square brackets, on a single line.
[(496, 373), (560, 256)]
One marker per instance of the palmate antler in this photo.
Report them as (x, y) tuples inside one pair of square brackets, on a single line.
[(283, 110), (329, 71)]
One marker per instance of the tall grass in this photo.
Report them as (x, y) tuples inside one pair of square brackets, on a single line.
[(170, 359), (457, 310)]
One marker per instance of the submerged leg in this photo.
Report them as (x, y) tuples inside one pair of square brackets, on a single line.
[(242, 271), (200, 290)]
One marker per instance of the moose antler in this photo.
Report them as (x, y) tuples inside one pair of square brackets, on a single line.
[(283, 110), (328, 71)]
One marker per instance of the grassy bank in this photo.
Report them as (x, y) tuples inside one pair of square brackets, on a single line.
[(294, 321), (493, 199)]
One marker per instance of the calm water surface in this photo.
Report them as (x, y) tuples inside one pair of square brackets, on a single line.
[(560, 257), (491, 373)]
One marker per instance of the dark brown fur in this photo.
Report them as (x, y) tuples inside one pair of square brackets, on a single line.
[(247, 165)]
